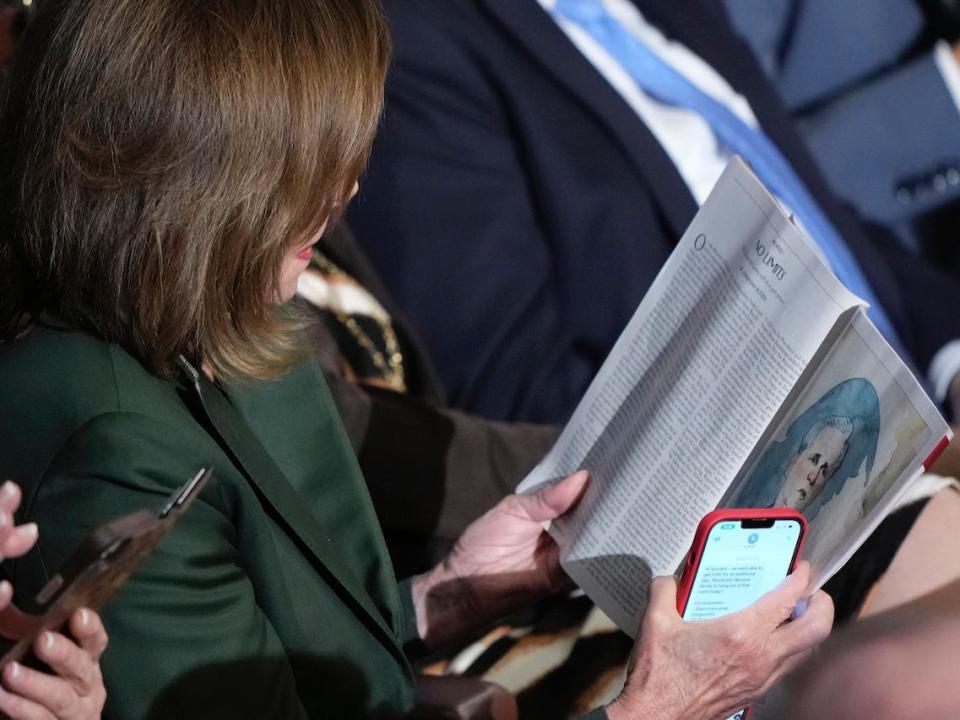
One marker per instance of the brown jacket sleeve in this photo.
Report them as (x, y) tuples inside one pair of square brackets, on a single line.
[(432, 470)]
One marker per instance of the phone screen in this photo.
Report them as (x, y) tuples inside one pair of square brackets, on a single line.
[(741, 560)]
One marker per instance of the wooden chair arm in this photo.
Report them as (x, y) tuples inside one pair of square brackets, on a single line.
[(454, 697)]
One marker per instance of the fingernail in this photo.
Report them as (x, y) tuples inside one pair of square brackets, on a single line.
[(6, 588), (48, 641), (29, 529), (799, 609), (14, 669), (84, 617), (7, 490)]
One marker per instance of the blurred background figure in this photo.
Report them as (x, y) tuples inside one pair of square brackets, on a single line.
[(896, 665), (13, 19), (875, 89), (539, 160)]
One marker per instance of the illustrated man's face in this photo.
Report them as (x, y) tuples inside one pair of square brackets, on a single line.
[(812, 468)]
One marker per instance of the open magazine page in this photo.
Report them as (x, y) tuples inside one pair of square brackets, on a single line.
[(852, 441), (690, 387)]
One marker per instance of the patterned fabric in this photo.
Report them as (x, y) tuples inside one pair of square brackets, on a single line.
[(370, 352), (561, 659)]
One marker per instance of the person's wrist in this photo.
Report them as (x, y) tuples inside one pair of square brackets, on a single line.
[(617, 711), (630, 705), (654, 690), (441, 603), (420, 590), (642, 697)]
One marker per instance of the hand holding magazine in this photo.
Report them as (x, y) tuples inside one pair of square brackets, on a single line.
[(749, 376)]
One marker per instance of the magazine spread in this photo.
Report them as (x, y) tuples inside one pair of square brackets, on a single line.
[(748, 376)]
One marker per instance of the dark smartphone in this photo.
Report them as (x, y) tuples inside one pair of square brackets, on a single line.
[(96, 570)]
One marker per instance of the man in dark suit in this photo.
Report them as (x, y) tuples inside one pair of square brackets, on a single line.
[(875, 95), (519, 204)]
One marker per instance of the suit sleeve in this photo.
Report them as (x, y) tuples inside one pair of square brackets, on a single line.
[(462, 464), (926, 296), (447, 215), (933, 297), (872, 103), (892, 144), (213, 653)]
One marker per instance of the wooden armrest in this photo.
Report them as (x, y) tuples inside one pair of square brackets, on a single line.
[(453, 697)]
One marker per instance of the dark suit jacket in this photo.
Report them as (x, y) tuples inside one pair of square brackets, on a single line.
[(861, 81), (518, 208), (430, 470), (273, 597)]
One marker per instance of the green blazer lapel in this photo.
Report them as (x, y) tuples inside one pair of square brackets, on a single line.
[(278, 494)]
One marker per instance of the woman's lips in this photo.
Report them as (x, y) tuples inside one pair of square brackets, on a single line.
[(306, 253)]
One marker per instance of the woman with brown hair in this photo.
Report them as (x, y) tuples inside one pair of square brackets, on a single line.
[(167, 167)]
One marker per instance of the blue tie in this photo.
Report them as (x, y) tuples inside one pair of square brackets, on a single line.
[(661, 81)]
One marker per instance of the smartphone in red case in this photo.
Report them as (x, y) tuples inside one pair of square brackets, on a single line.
[(738, 555)]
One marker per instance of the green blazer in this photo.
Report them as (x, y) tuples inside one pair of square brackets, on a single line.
[(273, 597)]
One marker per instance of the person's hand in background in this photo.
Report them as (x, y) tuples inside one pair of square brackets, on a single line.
[(503, 561), (74, 690)]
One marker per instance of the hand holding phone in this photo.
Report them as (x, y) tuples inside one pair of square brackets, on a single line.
[(96, 570), (707, 669), (737, 556)]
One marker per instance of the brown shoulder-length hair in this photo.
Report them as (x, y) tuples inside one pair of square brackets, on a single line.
[(159, 157)]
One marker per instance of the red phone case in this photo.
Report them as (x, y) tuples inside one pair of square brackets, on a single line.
[(728, 515)]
